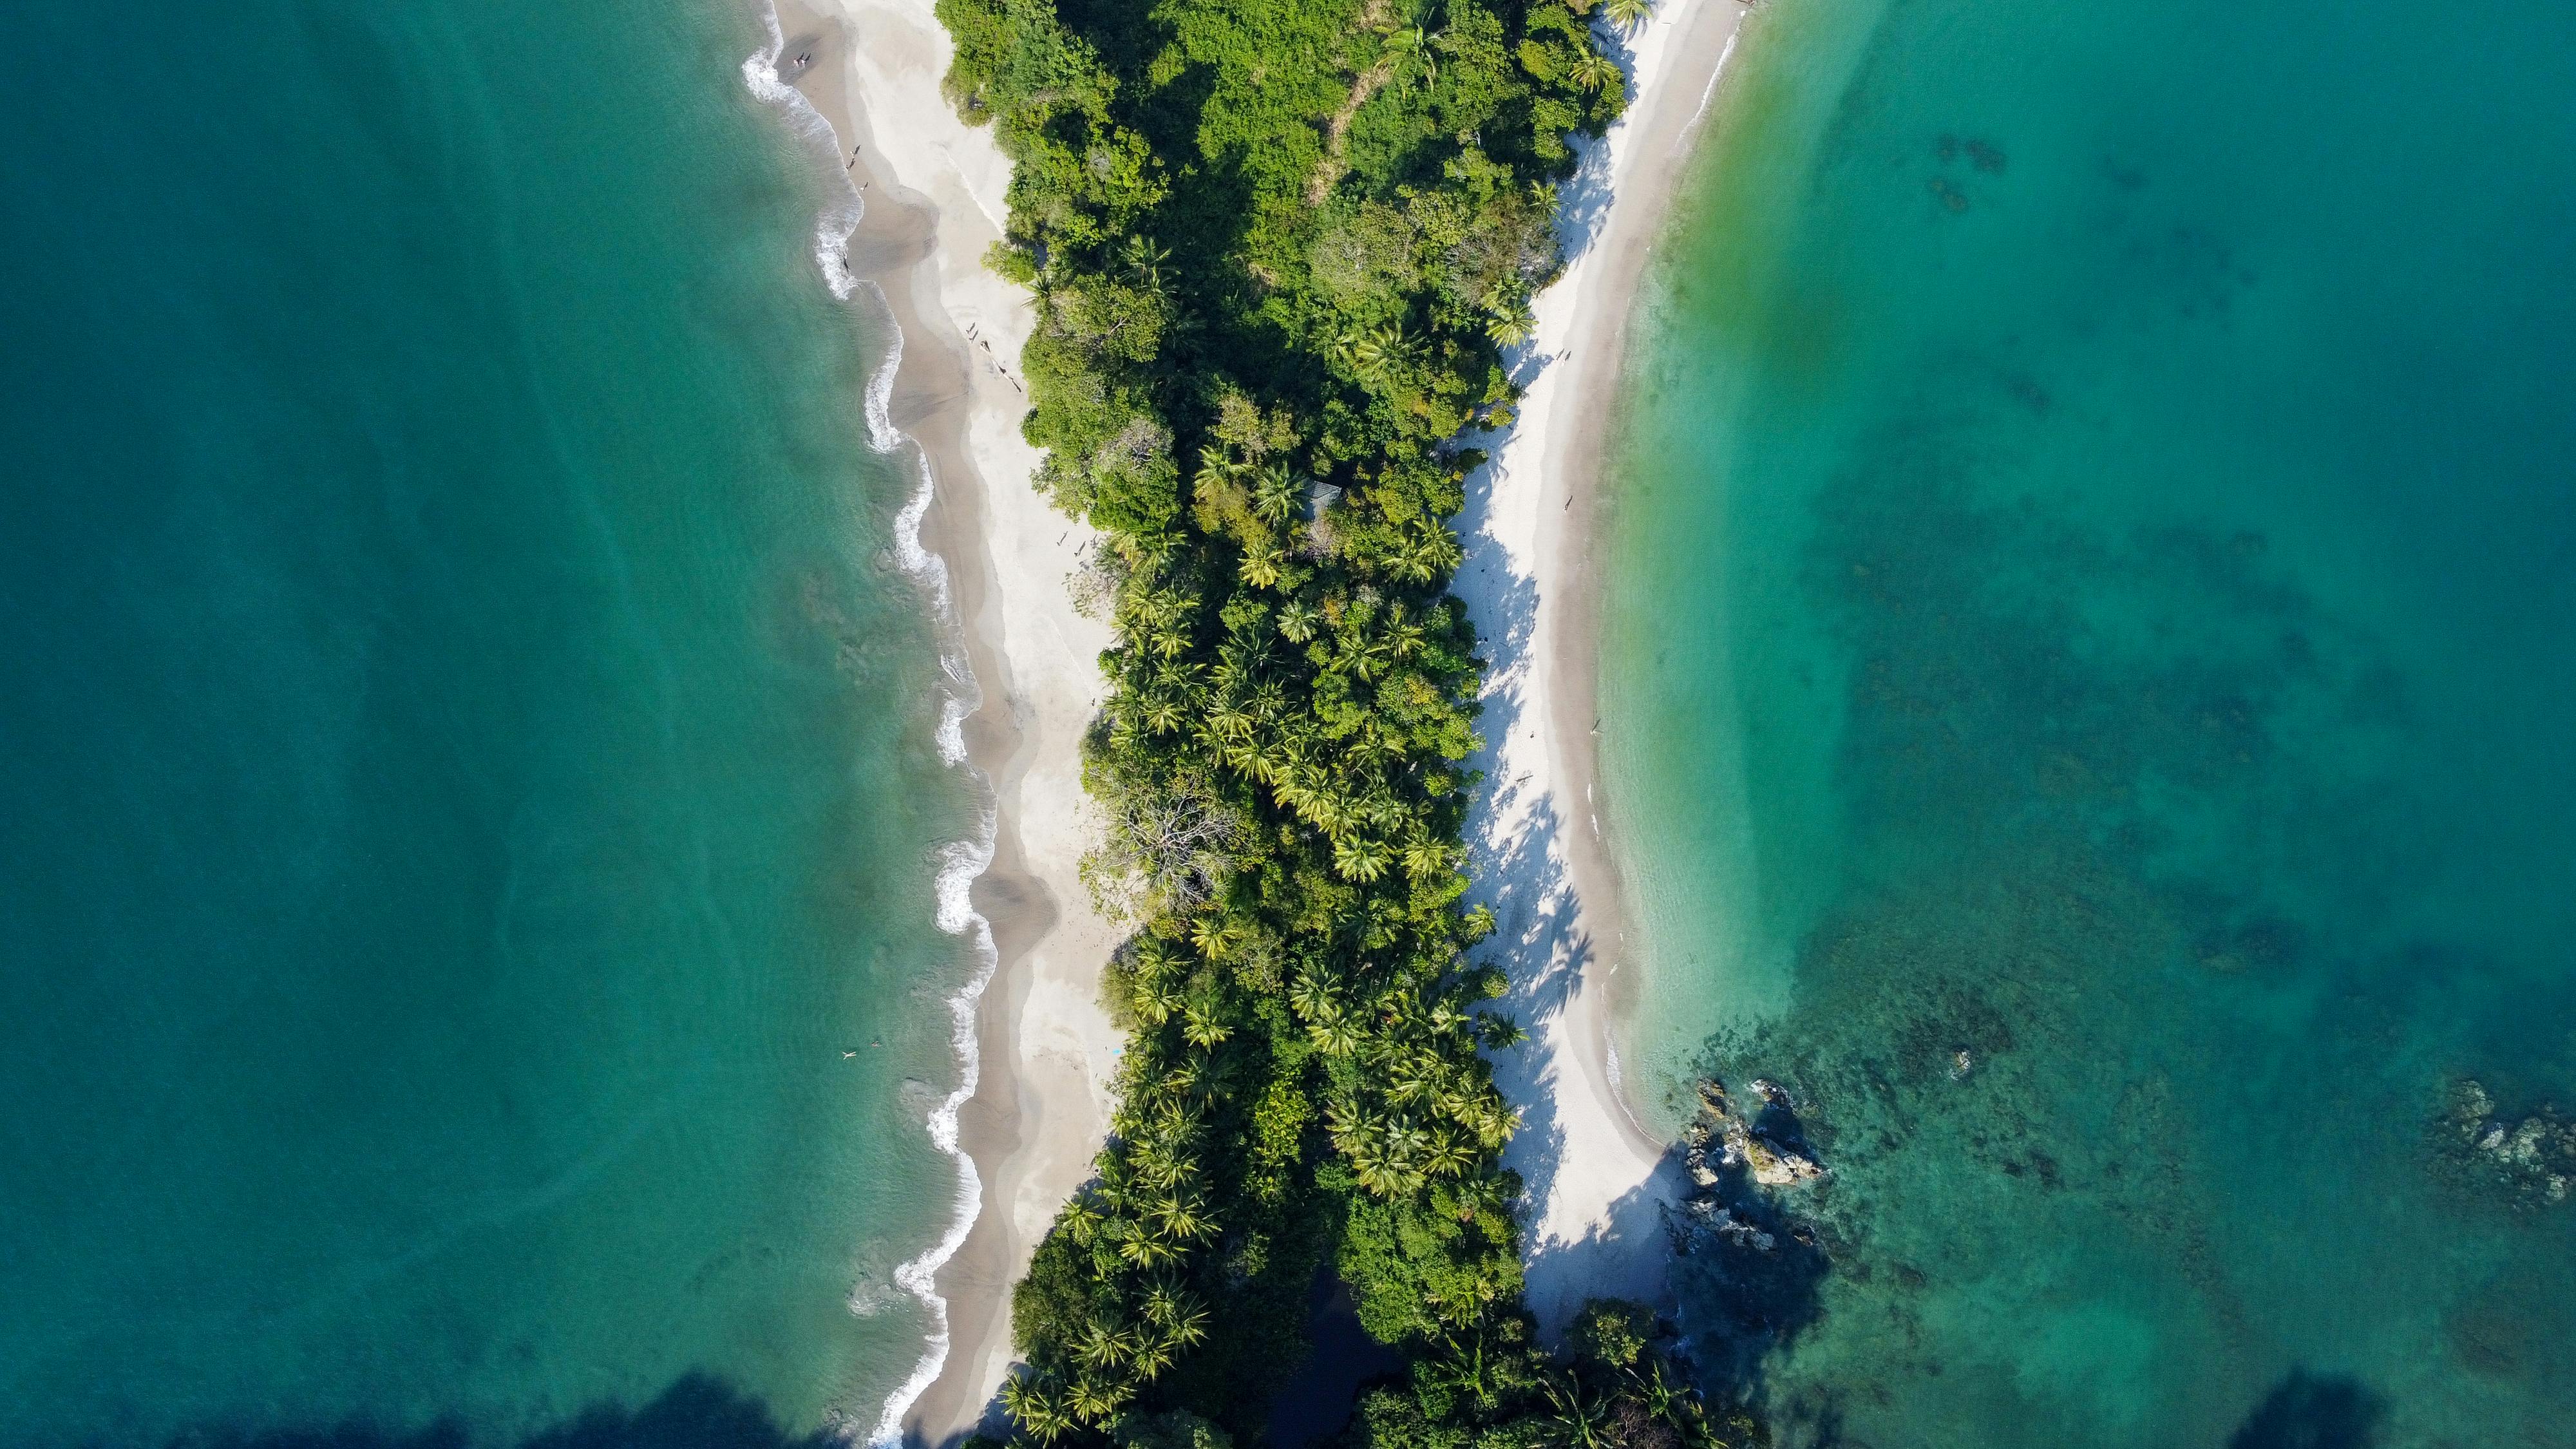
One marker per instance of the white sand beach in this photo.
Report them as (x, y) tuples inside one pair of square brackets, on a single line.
[(1595, 1178)]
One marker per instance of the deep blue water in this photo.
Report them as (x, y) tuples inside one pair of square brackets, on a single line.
[(2085, 706), (466, 761)]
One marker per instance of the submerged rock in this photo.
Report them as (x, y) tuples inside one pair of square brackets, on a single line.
[(1712, 1104), (1727, 1225), (2533, 1160), (1745, 1268)]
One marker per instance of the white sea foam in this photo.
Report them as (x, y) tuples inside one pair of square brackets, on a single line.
[(882, 433), (1710, 94), (840, 217), (960, 862), (961, 696)]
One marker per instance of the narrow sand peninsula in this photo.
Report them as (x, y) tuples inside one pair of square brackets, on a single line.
[(1595, 1178), (933, 192)]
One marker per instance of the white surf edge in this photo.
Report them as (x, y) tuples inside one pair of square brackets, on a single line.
[(960, 862)]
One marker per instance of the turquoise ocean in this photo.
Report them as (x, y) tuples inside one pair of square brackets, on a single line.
[(472, 811), (2091, 568)]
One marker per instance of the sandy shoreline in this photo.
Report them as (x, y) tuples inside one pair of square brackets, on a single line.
[(933, 195), (1595, 1178)]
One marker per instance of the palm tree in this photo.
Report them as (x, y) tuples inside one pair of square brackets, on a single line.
[(1288, 786), (1412, 1087), (1396, 1178), (1275, 497), (1244, 758), (1321, 804), (1509, 329), (1463, 1370), (1298, 621), (1450, 1157), (1362, 655), (1364, 351), (1405, 1139), (1199, 1024), (1154, 998), (1102, 1346), (1165, 609), (1156, 961), (1351, 1128), (1414, 45), (1665, 1402), (1144, 1249), (1578, 1423), (1412, 565), (1312, 998), (1038, 1411), (1594, 72), (1425, 857), (1338, 1035), (1216, 465), (1437, 544), (1093, 1403), (1215, 935), (1163, 1301), (1081, 1219), (1157, 1165), (1627, 15), (1464, 1104), (1181, 1217), (1371, 1167), (1361, 858), (1146, 259), (1154, 1356), (1262, 567)]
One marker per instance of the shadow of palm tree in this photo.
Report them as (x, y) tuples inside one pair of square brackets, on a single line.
[(1517, 843)]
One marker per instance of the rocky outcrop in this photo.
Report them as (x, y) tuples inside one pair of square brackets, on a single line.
[(2533, 1159), (1771, 1156), (1747, 1266)]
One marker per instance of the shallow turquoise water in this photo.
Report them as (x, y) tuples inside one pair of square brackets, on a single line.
[(466, 758), (2091, 590)]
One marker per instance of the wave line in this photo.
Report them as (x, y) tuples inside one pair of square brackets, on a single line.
[(959, 862)]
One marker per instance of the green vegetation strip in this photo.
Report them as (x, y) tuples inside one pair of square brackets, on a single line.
[(1276, 246)]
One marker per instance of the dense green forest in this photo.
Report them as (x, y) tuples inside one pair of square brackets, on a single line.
[(1276, 248)]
